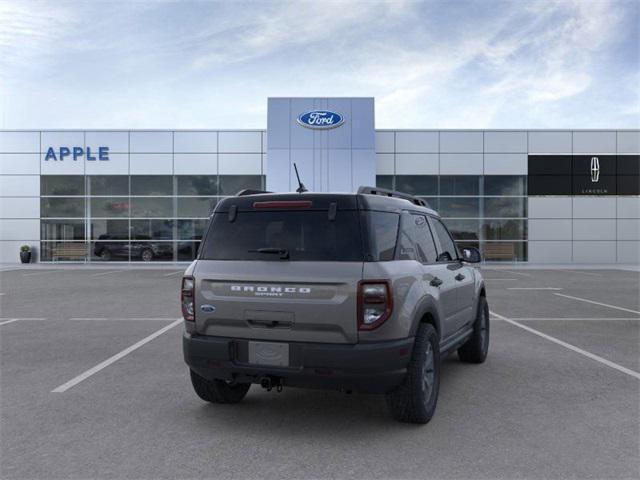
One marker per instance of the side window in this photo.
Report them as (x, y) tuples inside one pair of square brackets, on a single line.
[(425, 238), (384, 230), (448, 248), (416, 242)]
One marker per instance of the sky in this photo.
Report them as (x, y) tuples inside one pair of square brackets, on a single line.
[(436, 64)]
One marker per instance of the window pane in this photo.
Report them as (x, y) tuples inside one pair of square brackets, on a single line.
[(62, 184), (384, 181), (505, 185), (232, 184), (62, 229), (206, 185), (504, 229), (447, 247), (417, 184), (505, 207), (152, 207), (63, 251), (151, 251), (191, 229), (459, 207), (151, 185), (109, 207), (463, 229), (384, 230), (109, 229), (196, 207), (459, 185), (62, 207), (109, 185), (151, 229), (110, 251), (187, 251), (423, 238), (504, 251)]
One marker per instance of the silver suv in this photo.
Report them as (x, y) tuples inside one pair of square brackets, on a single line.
[(361, 292)]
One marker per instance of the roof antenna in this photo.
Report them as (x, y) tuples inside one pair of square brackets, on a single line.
[(301, 188)]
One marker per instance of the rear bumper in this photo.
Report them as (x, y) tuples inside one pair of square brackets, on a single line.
[(367, 367)]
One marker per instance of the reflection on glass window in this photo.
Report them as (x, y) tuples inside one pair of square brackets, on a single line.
[(62, 185), (151, 229), (109, 229), (63, 251), (151, 251), (196, 207), (384, 181), (463, 229), (513, 185), (504, 251), (109, 207), (187, 251), (112, 250), (460, 207), (417, 184), (205, 185), (191, 229), (109, 185), (62, 207), (151, 185), (514, 207), (459, 185), (504, 229), (151, 207), (62, 229), (232, 184)]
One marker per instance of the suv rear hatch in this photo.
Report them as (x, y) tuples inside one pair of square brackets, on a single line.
[(282, 268)]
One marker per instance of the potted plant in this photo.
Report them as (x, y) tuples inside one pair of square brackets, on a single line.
[(25, 254)]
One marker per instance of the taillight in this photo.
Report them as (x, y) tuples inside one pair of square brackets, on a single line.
[(186, 298), (375, 303)]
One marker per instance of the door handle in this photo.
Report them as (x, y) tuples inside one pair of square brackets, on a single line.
[(459, 277), (436, 282)]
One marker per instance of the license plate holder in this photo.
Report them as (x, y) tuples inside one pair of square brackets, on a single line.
[(269, 353)]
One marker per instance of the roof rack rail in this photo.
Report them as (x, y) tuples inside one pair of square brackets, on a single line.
[(392, 193), (249, 191)]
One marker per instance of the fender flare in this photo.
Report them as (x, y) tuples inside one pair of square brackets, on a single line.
[(427, 306)]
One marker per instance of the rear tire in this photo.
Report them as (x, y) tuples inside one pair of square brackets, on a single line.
[(218, 391), (414, 401), (475, 350)]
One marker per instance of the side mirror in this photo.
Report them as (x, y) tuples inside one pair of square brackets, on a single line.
[(471, 255)]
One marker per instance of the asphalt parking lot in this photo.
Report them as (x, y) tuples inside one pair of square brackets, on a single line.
[(93, 385)]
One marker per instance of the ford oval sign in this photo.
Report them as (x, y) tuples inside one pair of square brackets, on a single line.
[(320, 119)]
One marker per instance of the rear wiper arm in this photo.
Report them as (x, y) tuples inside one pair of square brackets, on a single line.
[(283, 252)]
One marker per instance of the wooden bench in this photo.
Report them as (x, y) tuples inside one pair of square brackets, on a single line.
[(499, 251), (69, 251)]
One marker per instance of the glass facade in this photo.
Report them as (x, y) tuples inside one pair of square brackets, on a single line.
[(488, 212), (137, 218)]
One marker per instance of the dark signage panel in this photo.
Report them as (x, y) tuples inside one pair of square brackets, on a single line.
[(584, 185), (628, 185), (628, 164), (549, 185), (584, 174), (549, 164)]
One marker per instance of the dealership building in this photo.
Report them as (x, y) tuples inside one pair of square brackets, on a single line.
[(538, 196)]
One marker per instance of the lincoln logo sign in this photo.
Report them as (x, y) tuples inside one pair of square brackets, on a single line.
[(77, 152), (320, 119), (595, 169)]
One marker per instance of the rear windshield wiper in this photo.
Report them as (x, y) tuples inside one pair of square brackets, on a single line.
[(283, 252)]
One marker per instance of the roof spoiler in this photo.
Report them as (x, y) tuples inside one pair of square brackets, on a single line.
[(392, 193), (249, 191)]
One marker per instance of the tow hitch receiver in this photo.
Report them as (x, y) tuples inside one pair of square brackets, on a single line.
[(268, 383)]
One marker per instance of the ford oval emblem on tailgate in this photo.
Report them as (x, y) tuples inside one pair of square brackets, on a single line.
[(208, 308)]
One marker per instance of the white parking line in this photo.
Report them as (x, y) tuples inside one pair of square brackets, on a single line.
[(534, 288), (573, 348), (39, 273), (173, 273), (134, 319), (573, 319), (83, 376), (579, 272), (4, 321), (105, 273), (9, 321), (518, 273), (597, 303)]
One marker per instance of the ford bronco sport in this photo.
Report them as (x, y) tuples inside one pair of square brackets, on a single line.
[(362, 292)]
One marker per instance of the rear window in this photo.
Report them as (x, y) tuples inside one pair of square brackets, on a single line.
[(305, 235)]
